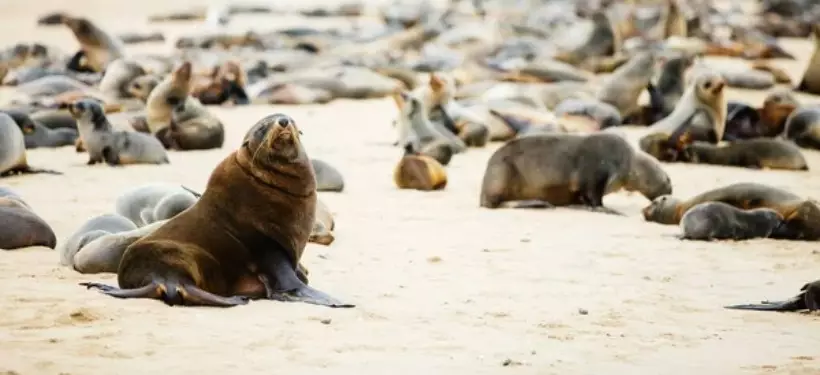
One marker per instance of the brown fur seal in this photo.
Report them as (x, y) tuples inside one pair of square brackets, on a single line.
[(807, 299), (706, 95), (328, 178), (324, 225), (419, 172), (141, 87), (777, 107), (148, 203), (764, 153), (569, 169), (225, 84), (810, 83), (780, 75), (94, 228), (20, 226), (801, 216), (104, 144), (803, 127), (97, 48), (13, 150), (623, 88), (720, 221), (224, 249), (178, 120)]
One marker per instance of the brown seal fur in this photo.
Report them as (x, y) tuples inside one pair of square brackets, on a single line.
[(224, 248), (419, 172), (226, 84), (20, 226), (810, 83), (569, 169), (763, 153), (97, 48), (720, 221), (801, 216), (807, 299)]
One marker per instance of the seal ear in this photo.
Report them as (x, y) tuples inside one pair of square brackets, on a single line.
[(436, 83)]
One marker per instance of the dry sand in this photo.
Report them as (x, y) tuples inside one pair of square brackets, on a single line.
[(442, 286)]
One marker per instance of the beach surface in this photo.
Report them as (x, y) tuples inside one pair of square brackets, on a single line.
[(441, 285)]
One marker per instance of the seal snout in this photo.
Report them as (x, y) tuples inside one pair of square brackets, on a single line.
[(284, 121)]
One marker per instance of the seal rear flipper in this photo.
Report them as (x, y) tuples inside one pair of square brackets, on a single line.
[(172, 294), (192, 295), (793, 304), (149, 291), (30, 170)]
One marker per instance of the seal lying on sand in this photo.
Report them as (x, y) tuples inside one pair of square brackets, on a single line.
[(20, 226), (94, 228), (801, 217), (37, 135), (568, 169), (720, 221), (114, 147), (13, 150), (97, 48), (803, 127), (765, 153), (153, 202), (324, 225), (328, 178), (419, 172), (807, 299), (223, 250)]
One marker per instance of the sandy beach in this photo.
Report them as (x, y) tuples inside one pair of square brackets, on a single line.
[(441, 285)]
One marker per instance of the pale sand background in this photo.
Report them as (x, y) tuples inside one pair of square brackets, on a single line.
[(442, 286)]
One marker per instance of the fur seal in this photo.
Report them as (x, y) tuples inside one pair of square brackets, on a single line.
[(706, 95), (223, 250), (141, 86), (801, 217), (763, 153), (419, 172), (623, 88), (226, 83), (13, 150), (667, 91), (94, 228), (97, 48), (604, 114), (438, 99), (36, 135), (328, 178), (323, 226), (803, 127), (807, 299), (777, 107), (19, 226), (180, 121), (810, 83), (720, 221), (414, 127), (113, 147), (153, 202), (569, 169)]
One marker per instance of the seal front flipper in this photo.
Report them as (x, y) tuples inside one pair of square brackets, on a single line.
[(287, 287)]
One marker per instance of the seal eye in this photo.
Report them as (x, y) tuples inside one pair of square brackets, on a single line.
[(137, 86), (707, 85), (283, 122)]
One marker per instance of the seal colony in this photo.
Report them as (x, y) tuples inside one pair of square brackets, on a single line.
[(457, 85)]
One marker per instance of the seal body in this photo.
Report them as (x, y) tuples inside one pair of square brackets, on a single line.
[(19, 226), (704, 95), (323, 226), (414, 127), (626, 84), (419, 172), (328, 178), (36, 135), (803, 127), (807, 299), (92, 229), (13, 149), (153, 202), (225, 249), (801, 217), (720, 221), (560, 169), (765, 153)]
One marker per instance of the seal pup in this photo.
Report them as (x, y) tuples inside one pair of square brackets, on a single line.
[(328, 178), (569, 169), (801, 217), (178, 120), (19, 226), (763, 153), (605, 115), (103, 253), (226, 83), (323, 226), (141, 86), (153, 202), (223, 250), (97, 47), (706, 95), (113, 147), (419, 172), (413, 126), (803, 127), (810, 83), (438, 99), (807, 299), (777, 107), (720, 221), (623, 88), (13, 150), (92, 229), (36, 135), (670, 86)]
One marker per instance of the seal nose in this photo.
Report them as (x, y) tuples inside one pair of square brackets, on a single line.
[(283, 122)]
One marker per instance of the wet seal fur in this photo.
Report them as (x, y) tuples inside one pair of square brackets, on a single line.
[(569, 169), (224, 249), (114, 147), (720, 221), (13, 150), (419, 172), (19, 226), (807, 299), (801, 216)]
